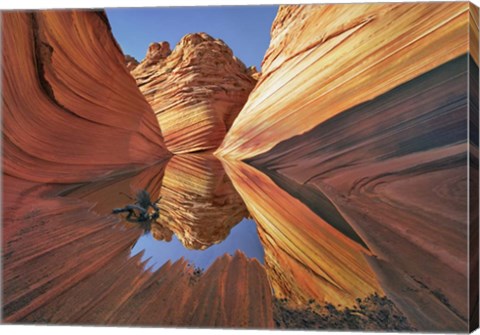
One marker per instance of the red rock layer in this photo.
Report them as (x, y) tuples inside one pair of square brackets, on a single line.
[(66, 264), (305, 257), (324, 59), (71, 111), (396, 169), (196, 90)]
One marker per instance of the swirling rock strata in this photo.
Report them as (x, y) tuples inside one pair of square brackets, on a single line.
[(71, 111), (366, 106), (199, 203), (324, 59), (398, 174), (196, 90), (305, 257), (197, 200), (63, 263)]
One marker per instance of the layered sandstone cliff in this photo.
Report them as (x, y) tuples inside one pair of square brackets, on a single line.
[(324, 59), (196, 90), (306, 257), (355, 167), (364, 108), (71, 111)]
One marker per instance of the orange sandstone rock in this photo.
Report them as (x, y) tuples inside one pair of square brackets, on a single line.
[(305, 256), (324, 59), (71, 111), (197, 200), (199, 203), (196, 90), (64, 263), (130, 62)]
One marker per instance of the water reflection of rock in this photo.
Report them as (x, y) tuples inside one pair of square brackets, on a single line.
[(402, 186), (199, 203), (111, 193), (66, 262), (305, 257)]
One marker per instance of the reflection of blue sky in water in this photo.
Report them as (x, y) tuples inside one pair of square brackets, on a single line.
[(242, 237)]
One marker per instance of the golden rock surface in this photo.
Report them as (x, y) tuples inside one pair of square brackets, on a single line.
[(196, 90), (324, 59), (305, 257)]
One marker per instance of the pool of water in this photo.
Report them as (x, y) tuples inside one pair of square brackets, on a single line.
[(201, 218), (242, 237)]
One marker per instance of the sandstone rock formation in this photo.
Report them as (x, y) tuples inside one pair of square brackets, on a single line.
[(71, 111), (325, 59), (199, 203), (66, 264), (406, 202), (351, 154), (365, 107), (130, 62), (196, 91), (305, 256)]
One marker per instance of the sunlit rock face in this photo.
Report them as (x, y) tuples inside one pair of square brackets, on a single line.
[(364, 108), (71, 111), (325, 59), (305, 256), (198, 201), (252, 71), (351, 156), (400, 178), (196, 90)]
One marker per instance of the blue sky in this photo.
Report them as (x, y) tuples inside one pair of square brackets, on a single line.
[(245, 29), (242, 237)]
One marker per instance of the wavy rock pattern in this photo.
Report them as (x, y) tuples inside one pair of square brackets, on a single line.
[(325, 59), (354, 152), (66, 264), (399, 175), (196, 91), (71, 111), (363, 119), (306, 258), (199, 203)]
